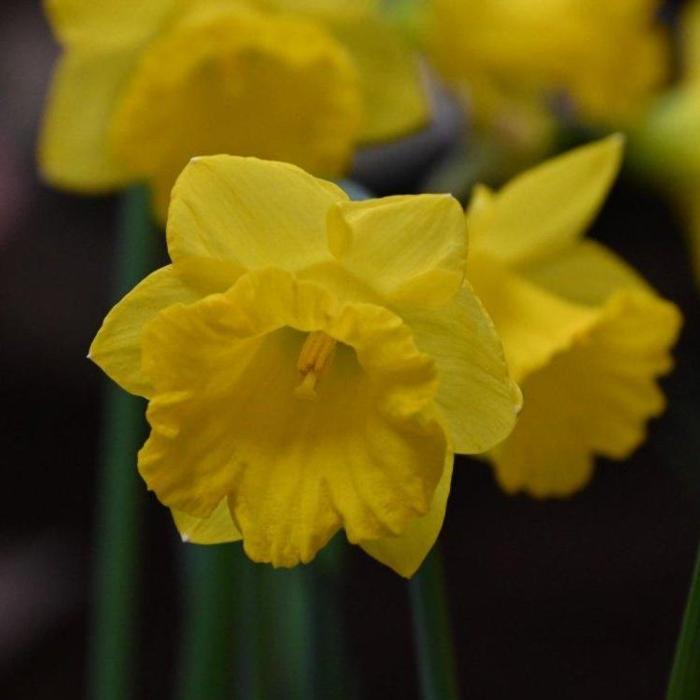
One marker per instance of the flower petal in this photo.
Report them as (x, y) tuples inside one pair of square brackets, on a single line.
[(546, 208), (476, 394), (405, 553), (216, 529), (408, 248), (585, 273), (226, 419), (533, 324), (117, 345), (250, 211), (107, 24), (394, 97), (593, 399), (74, 152)]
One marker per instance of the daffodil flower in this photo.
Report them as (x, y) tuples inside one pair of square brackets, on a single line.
[(144, 86), (585, 337), (311, 363), (515, 59)]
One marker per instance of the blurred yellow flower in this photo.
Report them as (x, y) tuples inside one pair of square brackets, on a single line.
[(515, 58), (143, 86), (311, 364), (585, 337)]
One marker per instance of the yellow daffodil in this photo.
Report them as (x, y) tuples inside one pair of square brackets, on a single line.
[(144, 86), (516, 58), (585, 337), (311, 364)]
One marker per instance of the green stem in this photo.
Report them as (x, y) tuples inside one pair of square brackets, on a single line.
[(333, 675), (111, 671), (431, 631), (685, 675), (209, 623), (289, 639)]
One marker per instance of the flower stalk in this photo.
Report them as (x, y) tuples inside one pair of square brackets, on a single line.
[(431, 630), (111, 672), (210, 591)]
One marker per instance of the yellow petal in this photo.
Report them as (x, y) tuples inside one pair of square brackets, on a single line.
[(74, 152), (328, 10), (405, 553), (586, 273), (594, 398), (394, 97), (533, 324), (117, 346), (227, 419), (407, 248), (548, 207), (215, 529), (253, 212), (99, 25), (476, 395), (224, 68)]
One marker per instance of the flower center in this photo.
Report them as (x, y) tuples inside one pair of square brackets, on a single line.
[(314, 359)]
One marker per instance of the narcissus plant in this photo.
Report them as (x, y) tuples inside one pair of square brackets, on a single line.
[(585, 336), (142, 87), (311, 364)]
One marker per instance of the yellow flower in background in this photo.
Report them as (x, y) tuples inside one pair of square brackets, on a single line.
[(585, 337), (311, 364), (515, 58), (144, 86)]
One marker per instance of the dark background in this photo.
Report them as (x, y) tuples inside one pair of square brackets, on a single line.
[(578, 599)]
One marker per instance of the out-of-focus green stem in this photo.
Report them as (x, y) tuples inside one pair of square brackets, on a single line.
[(685, 675), (287, 608), (333, 675), (111, 672), (432, 633), (207, 647)]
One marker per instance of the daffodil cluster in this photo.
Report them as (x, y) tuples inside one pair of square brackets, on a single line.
[(144, 86), (311, 364), (584, 335)]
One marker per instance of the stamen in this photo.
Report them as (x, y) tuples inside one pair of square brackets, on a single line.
[(315, 357)]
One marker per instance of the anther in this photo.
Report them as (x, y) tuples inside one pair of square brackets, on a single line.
[(315, 357)]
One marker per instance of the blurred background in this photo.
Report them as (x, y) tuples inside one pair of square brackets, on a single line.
[(577, 599)]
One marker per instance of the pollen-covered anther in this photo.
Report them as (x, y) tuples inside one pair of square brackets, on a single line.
[(314, 359)]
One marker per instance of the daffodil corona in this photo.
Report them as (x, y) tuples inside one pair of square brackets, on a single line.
[(144, 86), (311, 364), (585, 337)]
